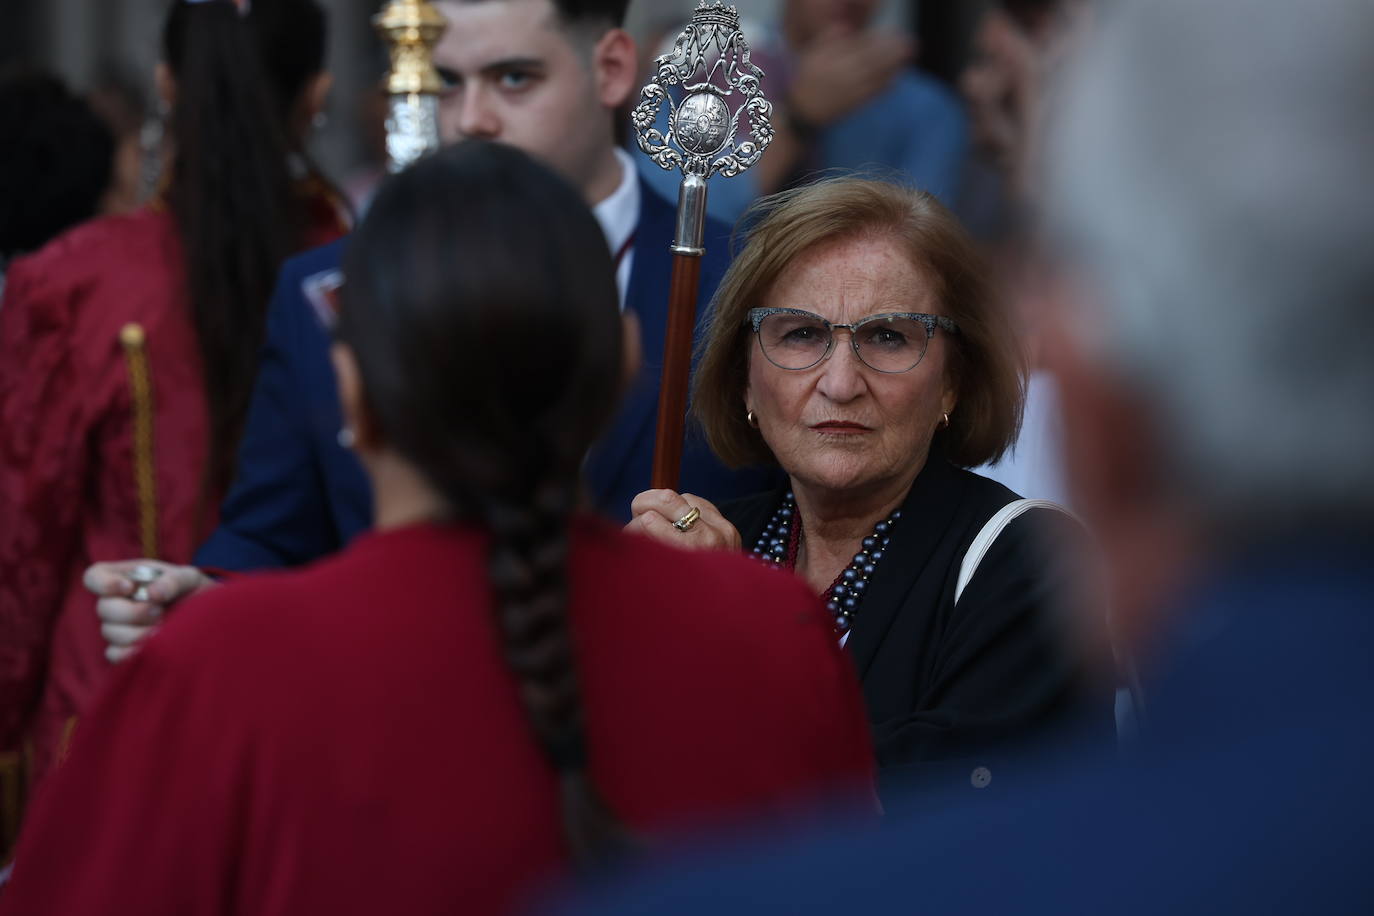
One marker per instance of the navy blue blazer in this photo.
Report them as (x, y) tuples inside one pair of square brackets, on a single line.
[(299, 495), (1248, 790)]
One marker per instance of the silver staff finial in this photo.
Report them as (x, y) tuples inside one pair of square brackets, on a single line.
[(411, 29), (710, 62)]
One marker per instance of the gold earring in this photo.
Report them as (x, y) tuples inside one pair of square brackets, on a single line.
[(945, 423), (751, 418)]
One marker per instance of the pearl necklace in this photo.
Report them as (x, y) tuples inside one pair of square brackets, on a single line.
[(781, 538)]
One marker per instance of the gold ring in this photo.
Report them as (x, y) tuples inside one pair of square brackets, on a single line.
[(685, 523)]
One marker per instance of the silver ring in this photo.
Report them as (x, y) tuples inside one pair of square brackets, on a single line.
[(143, 575), (685, 523)]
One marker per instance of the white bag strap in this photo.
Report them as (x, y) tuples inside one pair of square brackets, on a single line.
[(1004, 517)]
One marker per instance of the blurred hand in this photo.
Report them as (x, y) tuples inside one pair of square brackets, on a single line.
[(1002, 86), (125, 622), (1006, 84), (841, 70), (655, 511)]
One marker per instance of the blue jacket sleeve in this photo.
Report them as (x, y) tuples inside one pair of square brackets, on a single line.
[(937, 145), (277, 512)]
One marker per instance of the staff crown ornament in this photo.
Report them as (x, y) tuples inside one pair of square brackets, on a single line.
[(707, 70)]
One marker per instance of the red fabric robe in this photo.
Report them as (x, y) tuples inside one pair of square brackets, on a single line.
[(67, 483), (348, 738)]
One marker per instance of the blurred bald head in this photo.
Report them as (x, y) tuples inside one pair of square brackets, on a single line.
[(1213, 168)]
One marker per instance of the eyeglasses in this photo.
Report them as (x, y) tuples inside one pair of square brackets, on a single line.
[(890, 342)]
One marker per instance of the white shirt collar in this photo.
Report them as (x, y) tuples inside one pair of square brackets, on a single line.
[(619, 212), (618, 215)]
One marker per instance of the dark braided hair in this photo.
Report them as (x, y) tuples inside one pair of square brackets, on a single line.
[(481, 306), (239, 80)]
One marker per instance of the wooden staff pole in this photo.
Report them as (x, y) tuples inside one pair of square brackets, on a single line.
[(709, 65), (134, 341), (677, 344)]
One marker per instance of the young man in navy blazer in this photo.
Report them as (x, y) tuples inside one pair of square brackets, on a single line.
[(547, 76)]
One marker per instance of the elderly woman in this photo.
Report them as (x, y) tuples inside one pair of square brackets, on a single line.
[(855, 343)]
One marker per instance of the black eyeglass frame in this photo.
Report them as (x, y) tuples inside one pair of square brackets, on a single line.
[(755, 317)]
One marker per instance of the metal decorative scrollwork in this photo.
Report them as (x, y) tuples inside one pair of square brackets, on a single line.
[(710, 62)]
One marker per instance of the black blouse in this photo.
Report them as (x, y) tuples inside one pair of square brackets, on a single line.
[(954, 689)]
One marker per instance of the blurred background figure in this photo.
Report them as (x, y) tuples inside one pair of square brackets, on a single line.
[(79, 38), (1017, 48), (1212, 215), (128, 348), (845, 97), (97, 46), (55, 165), (493, 686), (116, 97)]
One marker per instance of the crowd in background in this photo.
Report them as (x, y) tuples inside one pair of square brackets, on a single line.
[(331, 576)]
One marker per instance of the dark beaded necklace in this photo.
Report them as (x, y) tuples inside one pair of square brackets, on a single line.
[(781, 539)]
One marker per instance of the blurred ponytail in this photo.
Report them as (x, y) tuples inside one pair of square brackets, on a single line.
[(230, 188)]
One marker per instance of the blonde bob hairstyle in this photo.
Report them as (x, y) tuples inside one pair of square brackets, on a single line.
[(987, 364)]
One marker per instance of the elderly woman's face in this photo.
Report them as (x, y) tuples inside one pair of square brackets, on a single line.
[(841, 424)]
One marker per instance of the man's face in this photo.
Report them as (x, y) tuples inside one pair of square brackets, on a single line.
[(515, 75)]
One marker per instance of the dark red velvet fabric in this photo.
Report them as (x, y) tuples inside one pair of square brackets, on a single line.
[(67, 484), (348, 738)]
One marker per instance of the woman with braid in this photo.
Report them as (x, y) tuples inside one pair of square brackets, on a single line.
[(490, 688)]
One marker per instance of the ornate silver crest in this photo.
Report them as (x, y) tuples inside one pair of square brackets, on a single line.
[(710, 62)]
